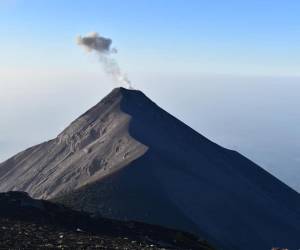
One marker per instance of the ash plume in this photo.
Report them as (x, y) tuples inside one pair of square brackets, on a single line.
[(93, 42)]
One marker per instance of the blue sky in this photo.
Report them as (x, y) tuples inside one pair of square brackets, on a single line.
[(224, 37), (229, 69)]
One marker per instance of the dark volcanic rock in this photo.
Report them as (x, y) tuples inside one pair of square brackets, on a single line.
[(26, 223), (128, 159)]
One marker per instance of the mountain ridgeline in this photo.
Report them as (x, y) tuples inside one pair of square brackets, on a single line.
[(128, 159)]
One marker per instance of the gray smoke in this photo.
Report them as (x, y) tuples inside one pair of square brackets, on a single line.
[(93, 42)]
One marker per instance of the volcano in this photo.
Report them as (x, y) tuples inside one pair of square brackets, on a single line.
[(128, 159)]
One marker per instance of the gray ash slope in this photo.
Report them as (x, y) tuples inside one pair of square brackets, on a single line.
[(94, 145), (126, 158)]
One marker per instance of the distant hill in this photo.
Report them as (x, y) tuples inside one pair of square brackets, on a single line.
[(128, 159)]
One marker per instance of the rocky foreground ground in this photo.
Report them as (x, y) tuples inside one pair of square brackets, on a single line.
[(26, 223), (24, 235)]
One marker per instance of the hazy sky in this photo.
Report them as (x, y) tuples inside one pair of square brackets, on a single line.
[(229, 69)]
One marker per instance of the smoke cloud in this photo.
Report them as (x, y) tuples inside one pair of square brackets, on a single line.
[(93, 42)]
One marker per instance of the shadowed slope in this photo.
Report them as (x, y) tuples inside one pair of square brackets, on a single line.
[(188, 182)]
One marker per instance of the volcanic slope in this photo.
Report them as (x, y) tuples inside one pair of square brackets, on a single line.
[(128, 159)]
